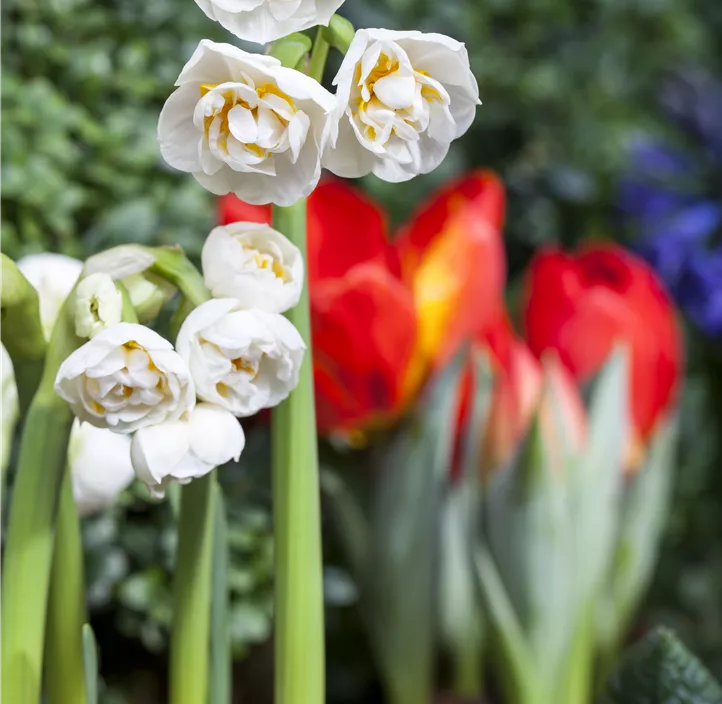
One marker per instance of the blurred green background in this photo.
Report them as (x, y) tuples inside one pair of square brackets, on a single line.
[(564, 84)]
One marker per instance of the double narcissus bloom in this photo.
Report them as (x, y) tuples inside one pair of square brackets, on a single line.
[(384, 314), (242, 123), (403, 98), (267, 20), (582, 305), (242, 360), (125, 378)]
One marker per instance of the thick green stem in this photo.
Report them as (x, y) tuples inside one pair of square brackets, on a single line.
[(319, 54), (299, 640), (29, 545), (192, 605), (64, 667), (221, 660), (578, 683)]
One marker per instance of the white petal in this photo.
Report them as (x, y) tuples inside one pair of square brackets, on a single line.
[(178, 136), (216, 436)]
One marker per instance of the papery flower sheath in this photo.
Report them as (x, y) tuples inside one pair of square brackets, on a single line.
[(242, 123), (254, 264), (183, 450), (241, 360), (267, 20), (125, 378), (403, 98)]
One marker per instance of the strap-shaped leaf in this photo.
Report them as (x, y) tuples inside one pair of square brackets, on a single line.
[(401, 580), (90, 665)]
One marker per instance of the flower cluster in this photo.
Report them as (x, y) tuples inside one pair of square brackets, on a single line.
[(236, 353), (244, 123), (671, 195)]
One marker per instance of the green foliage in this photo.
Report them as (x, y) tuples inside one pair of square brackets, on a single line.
[(82, 87), (660, 670)]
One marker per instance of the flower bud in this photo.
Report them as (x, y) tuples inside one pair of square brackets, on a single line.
[(182, 450), (98, 304), (53, 277), (100, 466), (254, 264), (9, 406)]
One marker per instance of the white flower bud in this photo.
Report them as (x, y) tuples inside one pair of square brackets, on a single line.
[(403, 98), (100, 466), (255, 264), (119, 262), (125, 378), (98, 304), (183, 450), (265, 21), (242, 123), (242, 360), (53, 277)]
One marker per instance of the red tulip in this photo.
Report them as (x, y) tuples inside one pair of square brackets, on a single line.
[(582, 305)]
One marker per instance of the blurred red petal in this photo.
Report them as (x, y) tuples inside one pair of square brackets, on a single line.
[(582, 305), (232, 209), (364, 330), (345, 228)]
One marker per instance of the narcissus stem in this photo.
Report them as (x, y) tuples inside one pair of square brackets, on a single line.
[(319, 54), (299, 639), (190, 636), (64, 667), (29, 544)]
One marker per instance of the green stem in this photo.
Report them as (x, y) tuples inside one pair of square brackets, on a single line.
[(221, 660), (319, 54), (299, 641), (578, 683), (192, 605), (29, 546), (64, 667)]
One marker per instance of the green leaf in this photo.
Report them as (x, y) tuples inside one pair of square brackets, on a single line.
[(90, 664), (660, 670), (461, 617), (645, 503), (399, 586)]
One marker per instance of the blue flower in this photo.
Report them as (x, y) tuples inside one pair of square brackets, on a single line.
[(672, 197)]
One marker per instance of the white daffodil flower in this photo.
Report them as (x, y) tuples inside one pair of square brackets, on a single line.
[(186, 449), (10, 409), (98, 304), (53, 277), (265, 21), (100, 467), (403, 98), (242, 360), (125, 378), (254, 264), (243, 123)]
